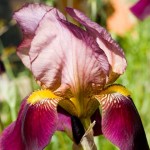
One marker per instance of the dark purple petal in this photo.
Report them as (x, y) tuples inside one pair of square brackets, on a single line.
[(97, 127), (113, 51), (36, 123), (141, 9), (64, 122), (121, 123), (77, 129)]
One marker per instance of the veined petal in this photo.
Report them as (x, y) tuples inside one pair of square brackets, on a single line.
[(23, 51), (35, 125), (74, 65), (113, 51), (121, 123), (141, 9), (28, 18)]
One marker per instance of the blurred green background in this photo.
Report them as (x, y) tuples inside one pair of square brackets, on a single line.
[(133, 35)]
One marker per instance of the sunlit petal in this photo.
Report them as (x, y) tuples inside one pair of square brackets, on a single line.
[(121, 123), (141, 9), (29, 16), (74, 65), (113, 51), (23, 51)]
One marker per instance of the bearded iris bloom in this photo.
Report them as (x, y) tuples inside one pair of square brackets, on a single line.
[(76, 68), (141, 9)]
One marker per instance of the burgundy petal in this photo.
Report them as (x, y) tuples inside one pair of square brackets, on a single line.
[(12, 138), (76, 64), (36, 123), (121, 123), (141, 9), (113, 51)]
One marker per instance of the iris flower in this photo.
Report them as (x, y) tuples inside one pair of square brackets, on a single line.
[(141, 9), (76, 68)]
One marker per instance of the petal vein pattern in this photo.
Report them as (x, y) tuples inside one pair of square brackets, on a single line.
[(70, 55), (112, 50), (36, 123), (121, 123)]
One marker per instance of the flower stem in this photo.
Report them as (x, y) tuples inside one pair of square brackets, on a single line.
[(1, 125), (13, 113)]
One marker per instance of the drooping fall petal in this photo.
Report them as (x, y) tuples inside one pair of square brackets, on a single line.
[(121, 123), (113, 51), (36, 123), (12, 138), (141, 9)]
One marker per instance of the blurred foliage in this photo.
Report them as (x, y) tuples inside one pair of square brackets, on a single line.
[(16, 81)]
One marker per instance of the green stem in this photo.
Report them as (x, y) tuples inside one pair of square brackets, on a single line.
[(13, 113), (6, 63), (86, 122), (1, 125)]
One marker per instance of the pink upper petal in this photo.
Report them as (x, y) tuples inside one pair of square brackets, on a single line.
[(113, 51), (63, 53), (141, 9), (29, 16), (23, 51)]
